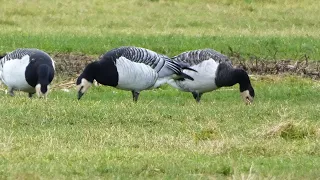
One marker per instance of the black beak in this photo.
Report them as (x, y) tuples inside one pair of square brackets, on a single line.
[(80, 94)]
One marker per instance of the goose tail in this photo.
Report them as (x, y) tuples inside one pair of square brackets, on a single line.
[(181, 75), (184, 65), (184, 76)]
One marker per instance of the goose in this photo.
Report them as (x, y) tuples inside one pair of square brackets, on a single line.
[(214, 70), (28, 70), (130, 68)]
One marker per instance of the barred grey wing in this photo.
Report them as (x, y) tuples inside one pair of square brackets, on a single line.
[(17, 54), (142, 55), (197, 56)]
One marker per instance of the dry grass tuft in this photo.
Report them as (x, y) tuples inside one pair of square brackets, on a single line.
[(278, 129), (206, 134), (317, 132), (291, 130)]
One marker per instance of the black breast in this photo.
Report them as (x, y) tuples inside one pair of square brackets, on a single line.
[(106, 73), (37, 58)]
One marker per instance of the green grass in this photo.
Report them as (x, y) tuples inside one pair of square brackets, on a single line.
[(165, 135), (271, 48), (227, 17), (270, 29)]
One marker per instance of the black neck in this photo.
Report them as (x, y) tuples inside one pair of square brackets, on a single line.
[(89, 72), (104, 72), (43, 77), (228, 76), (39, 73)]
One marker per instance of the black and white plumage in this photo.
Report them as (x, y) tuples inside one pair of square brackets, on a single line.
[(130, 68), (28, 70), (214, 70)]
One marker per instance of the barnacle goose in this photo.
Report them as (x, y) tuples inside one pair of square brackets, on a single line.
[(28, 70), (130, 68), (214, 70)]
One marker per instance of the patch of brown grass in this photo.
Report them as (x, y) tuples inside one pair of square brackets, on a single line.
[(292, 130)]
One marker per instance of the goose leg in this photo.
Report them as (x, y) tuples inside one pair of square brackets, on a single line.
[(135, 95), (11, 93), (197, 96), (30, 95)]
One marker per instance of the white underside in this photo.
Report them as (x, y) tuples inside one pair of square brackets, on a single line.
[(135, 76), (204, 79), (13, 74), (161, 81)]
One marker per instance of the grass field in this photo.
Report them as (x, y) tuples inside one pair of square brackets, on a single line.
[(266, 29), (166, 135)]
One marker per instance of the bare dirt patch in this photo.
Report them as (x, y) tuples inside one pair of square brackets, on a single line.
[(73, 64), (304, 68)]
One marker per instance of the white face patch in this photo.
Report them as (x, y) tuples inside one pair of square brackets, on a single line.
[(39, 93), (84, 85), (247, 98)]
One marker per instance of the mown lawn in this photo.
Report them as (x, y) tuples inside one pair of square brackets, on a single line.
[(165, 135)]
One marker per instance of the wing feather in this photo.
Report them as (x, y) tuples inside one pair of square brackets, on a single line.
[(195, 57), (142, 55), (17, 54)]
